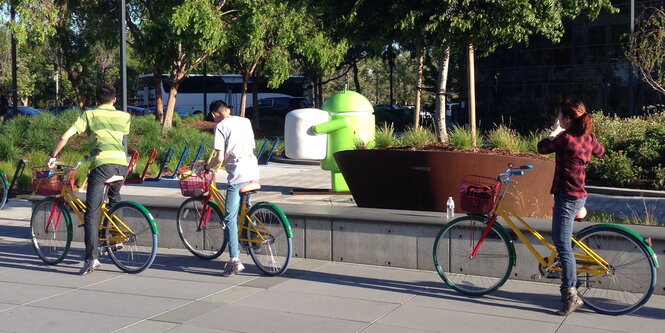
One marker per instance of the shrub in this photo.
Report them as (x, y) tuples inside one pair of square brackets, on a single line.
[(459, 137), (529, 143), (384, 136), (504, 138), (417, 138), (616, 169), (659, 177)]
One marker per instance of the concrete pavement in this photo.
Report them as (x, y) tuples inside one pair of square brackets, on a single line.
[(180, 293)]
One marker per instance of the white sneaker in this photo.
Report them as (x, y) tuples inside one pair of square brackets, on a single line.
[(89, 266), (233, 268)]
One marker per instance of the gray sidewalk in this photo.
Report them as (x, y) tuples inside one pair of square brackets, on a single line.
[(180, 293)]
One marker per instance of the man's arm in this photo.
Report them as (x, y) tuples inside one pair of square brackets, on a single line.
[(216, 161), (62, 141)]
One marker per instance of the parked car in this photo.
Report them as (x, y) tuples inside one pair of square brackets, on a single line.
[(278, 106), (135, 110), (182, 112), (22, 111), (59, 109)]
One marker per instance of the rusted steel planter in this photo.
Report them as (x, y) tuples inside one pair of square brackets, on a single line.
[(423, 180)]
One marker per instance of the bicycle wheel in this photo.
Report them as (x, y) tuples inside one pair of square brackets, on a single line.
[(138, 248), (632, 277), (273, 255), (487, 270), (51, 231), (4, 190), (203, 241)]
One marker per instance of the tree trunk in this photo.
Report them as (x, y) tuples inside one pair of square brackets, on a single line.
[(243, 95), (159, 102), (420, 55), (355, 76), (170, 106), (175, 80), (472, 91), (255, 104), (440, 122), (24, 100), (75, 79)]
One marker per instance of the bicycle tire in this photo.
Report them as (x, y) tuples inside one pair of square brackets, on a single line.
[(633, 277), (50, 237), (139, 248), (274, 253), (4, 190), (487, 271), (207, 243)]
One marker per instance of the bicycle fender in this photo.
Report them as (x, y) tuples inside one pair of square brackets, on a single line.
[(654, 259), (289, 232), (145, 211)]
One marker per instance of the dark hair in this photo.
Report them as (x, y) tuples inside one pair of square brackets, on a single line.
[(105, 93), (582, 123), (217, 105)]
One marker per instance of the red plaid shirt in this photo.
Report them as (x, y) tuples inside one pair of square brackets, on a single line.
[(572, 155)]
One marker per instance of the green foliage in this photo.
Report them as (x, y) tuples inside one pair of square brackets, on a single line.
[(615, 168), (659, 177), (459, 137), (646, 47), (529, 143), (417, 138), (504, 138), (384, 136)]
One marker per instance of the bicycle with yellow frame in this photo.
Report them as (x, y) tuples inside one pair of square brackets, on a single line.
[(263, 229), (127, 231), (474, 254)]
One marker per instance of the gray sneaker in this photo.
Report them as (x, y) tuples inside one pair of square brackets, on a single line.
[(233, 268), (89, 266)]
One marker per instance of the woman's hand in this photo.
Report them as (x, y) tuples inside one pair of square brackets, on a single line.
[(556, 129)]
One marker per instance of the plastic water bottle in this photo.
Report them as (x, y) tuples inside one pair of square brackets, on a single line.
[(450, 208)]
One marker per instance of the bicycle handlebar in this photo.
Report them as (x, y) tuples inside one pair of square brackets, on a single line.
[(84, 159), (505, 176)]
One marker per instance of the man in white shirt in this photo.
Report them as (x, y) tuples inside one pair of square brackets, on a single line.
[(234, 145)]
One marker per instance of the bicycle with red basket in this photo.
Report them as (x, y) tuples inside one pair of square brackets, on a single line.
[(474, 254), (263, 229)]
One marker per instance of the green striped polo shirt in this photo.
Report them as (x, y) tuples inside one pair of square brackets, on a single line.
[(106, 126)]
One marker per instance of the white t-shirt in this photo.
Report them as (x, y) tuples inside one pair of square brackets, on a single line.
[(235, 139)]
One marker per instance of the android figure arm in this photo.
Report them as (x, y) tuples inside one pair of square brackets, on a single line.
[(330, 126)]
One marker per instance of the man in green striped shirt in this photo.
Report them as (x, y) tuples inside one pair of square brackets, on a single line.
[(107, 127)]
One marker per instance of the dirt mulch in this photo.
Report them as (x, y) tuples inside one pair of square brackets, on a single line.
[(495, 151)]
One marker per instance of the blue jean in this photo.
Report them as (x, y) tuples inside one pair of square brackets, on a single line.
[(231, 218), (563, 217)]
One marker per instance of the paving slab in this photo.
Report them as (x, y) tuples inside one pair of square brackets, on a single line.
[(252, 319)]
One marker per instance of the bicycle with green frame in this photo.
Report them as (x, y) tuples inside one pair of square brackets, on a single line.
[(263, 229), (127, 231), (475, 254)]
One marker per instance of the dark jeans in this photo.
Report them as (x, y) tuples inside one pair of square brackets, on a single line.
[(93, 201), (563, 217)]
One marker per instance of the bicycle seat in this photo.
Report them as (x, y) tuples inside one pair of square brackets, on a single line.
[(251, 187), (114, 179)]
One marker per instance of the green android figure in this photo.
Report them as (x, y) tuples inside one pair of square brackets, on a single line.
[(351, 118)]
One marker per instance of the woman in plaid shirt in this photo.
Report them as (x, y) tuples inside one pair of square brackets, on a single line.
[(572, 141)]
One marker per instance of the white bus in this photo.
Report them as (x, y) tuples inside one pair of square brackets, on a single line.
[(226, 87)]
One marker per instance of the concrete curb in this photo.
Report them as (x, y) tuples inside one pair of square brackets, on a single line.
[(625, 192)]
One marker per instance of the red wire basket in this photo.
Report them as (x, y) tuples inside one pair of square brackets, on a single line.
[(196, 184), (478, 194), (49, 182)]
